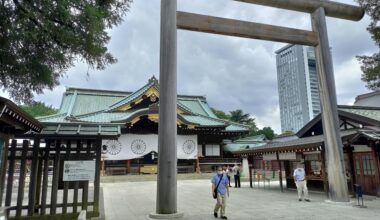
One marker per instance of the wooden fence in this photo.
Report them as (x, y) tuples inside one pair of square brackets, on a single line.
[(34, 181)]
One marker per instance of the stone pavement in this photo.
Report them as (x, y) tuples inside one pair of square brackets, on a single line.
[(135, 200)]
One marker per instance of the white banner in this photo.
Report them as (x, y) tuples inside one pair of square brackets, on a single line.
[(132, 146)]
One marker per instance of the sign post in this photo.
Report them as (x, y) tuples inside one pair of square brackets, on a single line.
[(79, 170)]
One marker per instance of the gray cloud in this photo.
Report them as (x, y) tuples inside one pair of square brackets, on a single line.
[(232, 72)]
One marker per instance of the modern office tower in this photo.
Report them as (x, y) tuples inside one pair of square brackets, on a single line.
[(297, 86)]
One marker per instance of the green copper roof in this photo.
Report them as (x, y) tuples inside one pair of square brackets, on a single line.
[(53, 118), (82, 101), (204, 121), (194, 105), (152, 82), (369, 112), (105, 117), (237, 127), (95, 106), (75, 129), (246, 143)]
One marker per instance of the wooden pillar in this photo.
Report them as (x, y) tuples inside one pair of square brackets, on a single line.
[(250, 173), (280, 174), (324, 174), (66, 157), (198, 167), (352, 167), (103, 167), (376, 168), (167, 130), (33, 177), (128, 166), (98, 152), (338, 191), (3, 164), (45, 174), (55, 179), (21, 182)]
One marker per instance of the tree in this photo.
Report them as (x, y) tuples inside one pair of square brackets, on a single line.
[(370, 65), (220, 114), (37, 109), (41, 39), (241, 117), (267, 131)]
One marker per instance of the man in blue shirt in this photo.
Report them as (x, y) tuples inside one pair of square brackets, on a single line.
[(220, 181), (300, 181)]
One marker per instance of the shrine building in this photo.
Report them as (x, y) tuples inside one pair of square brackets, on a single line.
[(135, 114)]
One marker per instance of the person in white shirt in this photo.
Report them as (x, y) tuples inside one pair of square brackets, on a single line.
[(236, 169), (300, 181), (226, 171)]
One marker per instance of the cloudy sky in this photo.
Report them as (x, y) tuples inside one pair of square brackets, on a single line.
[(233, 73)]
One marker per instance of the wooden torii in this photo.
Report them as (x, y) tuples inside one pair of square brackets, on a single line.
[(166, 204)]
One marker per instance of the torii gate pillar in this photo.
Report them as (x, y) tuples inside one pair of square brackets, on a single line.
[(166, 203), (338, 191)]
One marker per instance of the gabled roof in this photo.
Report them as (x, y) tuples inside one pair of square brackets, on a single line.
[(372, 113), (153, 83), (367, 95), (77, 101), (105, 106), (14, 119), (246, 143), (366, 116), (297, 144)]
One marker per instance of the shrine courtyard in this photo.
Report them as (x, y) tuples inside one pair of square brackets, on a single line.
[(135, 197)]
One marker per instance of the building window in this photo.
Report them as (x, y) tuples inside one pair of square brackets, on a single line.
[(212, 150), (368, 168)]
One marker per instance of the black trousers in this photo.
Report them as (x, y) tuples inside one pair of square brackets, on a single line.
[(229, 180), (237, 180)]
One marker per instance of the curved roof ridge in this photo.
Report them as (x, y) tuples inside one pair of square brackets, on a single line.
[(151, 83), (359, 107), (90, 114), (51, 116), (185, 107), (96, 91), (222, 120), (366, 95)]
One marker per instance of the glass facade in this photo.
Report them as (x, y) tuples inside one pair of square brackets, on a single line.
[(298, 86)]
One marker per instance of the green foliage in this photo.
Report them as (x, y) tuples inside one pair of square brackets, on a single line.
[(37, 109), (241, 117), (267, 131), (370, 65), (244, 118), (41, 39), (220, 114)]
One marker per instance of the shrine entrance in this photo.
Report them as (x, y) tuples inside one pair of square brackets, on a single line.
[(171, 20)]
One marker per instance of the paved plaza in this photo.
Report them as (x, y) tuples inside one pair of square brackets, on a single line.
[(135, 200)]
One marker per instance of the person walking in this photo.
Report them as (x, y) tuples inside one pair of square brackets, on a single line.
[(220, 192), (236, 170), (226, 171), (301, 183)]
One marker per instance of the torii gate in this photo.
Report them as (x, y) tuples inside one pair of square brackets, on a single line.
[(166, 205)]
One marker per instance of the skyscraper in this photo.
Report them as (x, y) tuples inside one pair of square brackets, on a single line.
[(297, 86)]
